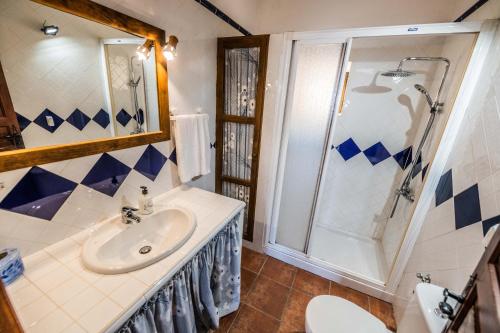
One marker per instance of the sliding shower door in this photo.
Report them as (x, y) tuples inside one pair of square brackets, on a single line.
[(311, 94)]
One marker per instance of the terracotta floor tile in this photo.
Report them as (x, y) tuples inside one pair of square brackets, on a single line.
[(311, 283), (383, 311), (226, 322), (294, 316), (252, 320), (349, 294), (279, 271), (268, 296), (247, 279), (251, 260)]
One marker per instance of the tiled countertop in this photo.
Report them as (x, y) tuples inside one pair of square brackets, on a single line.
[(58, 294)]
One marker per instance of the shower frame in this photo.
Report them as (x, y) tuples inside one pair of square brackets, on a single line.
[(436, 168)]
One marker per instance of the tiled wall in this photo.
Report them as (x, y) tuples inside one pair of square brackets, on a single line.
[(467, 199), (45, 204)]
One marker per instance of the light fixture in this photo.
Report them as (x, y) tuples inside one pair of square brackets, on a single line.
[(144, 51), (170, 49), (49, 30)]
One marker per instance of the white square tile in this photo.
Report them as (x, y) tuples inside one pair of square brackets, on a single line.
[(55, 322), (128, 293), (67, 290), (35, 311), (64, 251), (25, 296), (77, 267), (101, 315), (109, 283), (53, 279), (83, 302), (74, 328), (20, 283), (39, 264)]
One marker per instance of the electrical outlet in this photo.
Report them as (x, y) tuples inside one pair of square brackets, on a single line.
[(50, 121)]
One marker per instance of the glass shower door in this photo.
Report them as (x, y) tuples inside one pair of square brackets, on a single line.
[(311, 94)]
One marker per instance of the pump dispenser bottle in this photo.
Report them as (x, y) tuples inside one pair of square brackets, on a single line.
[(145, 202)]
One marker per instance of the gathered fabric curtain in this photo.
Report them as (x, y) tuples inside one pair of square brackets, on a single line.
[(205, 289)]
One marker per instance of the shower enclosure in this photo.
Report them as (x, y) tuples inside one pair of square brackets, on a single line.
[(363, 116)]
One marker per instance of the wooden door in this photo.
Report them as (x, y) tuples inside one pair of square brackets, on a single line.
[(241, 79), (480, 312), (10, 133)]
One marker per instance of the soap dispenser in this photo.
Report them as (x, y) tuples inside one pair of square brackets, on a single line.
[(145, 202)]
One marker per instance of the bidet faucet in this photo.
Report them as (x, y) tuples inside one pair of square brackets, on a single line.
[(128, 215)]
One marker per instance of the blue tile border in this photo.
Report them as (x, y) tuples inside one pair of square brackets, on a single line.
[(444, 190), (107, 175), (376, 153), (467, 207), (348, 149), (40, 193), (150, 163)]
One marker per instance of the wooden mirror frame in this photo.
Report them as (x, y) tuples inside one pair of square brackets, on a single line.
[(16, 159)]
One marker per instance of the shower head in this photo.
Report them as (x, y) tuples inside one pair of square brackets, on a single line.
[(398, 73), (424, 91)]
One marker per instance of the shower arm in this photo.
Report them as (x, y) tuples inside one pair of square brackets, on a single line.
[(443, 79)]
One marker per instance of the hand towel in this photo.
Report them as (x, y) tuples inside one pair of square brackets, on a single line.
[(192, 144)]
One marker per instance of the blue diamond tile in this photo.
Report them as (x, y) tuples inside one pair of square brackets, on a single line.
[(141, 117), (376, 153), (150, 162), (404, 157), (444, 190), (348, 149), (78, 119), (39, 193), (22, 121), (102, 118), (467, 208), (487, 224), (107, 175), (173, 156), (123, 117), (42, 121), (424, 171), (418, 167)]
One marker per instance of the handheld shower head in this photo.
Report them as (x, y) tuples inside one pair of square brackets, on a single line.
[(424, 91)]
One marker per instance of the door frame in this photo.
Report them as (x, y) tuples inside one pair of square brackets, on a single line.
[(471, 78), (261, 41)]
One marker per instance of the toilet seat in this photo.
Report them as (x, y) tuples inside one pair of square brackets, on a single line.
[(331, 314)]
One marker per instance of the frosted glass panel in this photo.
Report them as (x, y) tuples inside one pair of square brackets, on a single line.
[(309, 107)]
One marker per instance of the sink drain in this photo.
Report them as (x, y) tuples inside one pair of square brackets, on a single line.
[(145, 249)]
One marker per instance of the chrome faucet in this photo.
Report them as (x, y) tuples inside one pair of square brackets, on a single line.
[(128, 215), (424, 278)]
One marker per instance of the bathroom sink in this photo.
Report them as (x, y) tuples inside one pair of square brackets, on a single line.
[(428, 297), (115, 247)]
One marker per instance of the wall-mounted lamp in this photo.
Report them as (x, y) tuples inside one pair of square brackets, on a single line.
[(170, 49), (49, 30), (144, 51)]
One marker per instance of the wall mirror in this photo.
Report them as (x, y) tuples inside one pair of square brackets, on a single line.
[(72, 83)]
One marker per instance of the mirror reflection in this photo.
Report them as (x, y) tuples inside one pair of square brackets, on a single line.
[(65, 79)]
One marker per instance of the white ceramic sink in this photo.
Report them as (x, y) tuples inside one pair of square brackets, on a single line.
[(115, 247), (428, 297)]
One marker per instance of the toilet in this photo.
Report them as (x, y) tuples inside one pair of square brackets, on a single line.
[(331, 314)]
